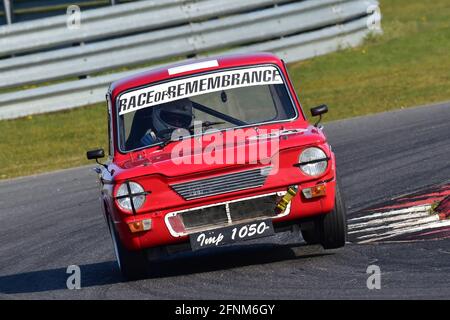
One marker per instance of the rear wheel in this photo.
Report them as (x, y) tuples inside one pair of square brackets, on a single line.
[(132, 264)]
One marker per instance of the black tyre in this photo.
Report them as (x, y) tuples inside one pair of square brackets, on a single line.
[(310, 233), (132, 264), (332, 227)]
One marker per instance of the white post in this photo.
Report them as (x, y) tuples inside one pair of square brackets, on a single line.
[(8, 11)]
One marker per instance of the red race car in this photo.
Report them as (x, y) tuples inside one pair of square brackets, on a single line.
[(213, 152)]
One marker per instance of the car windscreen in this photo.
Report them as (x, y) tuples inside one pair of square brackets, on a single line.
[(218, 100)]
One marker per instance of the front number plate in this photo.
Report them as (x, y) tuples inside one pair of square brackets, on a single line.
[(227, 235)]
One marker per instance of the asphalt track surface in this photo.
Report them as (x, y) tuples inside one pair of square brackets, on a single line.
[(51, 221)]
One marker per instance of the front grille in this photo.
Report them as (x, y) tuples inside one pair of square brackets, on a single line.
[(228, 213), (253, 208), (204, 216), (222, 184)]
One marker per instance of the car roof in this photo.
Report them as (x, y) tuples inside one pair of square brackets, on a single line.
[(191, 66)]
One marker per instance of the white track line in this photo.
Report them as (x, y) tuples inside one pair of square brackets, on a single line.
[(375, 222), (398, 225), (433, 225), (420, 208), (404, 226), (386, 225)]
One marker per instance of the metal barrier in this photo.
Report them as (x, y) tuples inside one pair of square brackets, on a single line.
[(294, 30), (14, 11)]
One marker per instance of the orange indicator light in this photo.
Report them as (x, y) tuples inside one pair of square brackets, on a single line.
[(314, 192), (139, 226)]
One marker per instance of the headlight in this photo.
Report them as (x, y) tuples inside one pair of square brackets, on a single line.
[(130, 191), (313, 161)]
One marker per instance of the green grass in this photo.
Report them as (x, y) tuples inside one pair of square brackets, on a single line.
[(408, 65), (51, 141)]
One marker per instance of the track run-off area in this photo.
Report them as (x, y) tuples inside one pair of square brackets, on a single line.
[(393, 166)]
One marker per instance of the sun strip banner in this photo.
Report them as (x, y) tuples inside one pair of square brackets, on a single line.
[(197, 85)]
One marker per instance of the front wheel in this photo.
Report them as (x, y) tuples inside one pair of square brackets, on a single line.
[(329, 230), (132, 264), (332, 227), (310, 233)]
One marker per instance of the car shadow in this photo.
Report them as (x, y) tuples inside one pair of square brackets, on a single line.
[(224, 258), (107, 273), (95, 274)]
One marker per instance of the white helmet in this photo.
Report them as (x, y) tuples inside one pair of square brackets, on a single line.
[(172, 115)]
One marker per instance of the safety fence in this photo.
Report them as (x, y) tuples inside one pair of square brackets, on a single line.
[(49, 65), (14, 11)]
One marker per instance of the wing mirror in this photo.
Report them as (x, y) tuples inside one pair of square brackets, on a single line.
[(319, 111), (95, 154)]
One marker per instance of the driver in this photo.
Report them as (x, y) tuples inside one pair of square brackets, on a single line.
[(168, 117)]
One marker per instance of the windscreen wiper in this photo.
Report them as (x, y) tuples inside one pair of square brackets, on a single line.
[(163, 144), (207, 124)]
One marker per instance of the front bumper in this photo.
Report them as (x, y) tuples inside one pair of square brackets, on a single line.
[(165, 232)]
